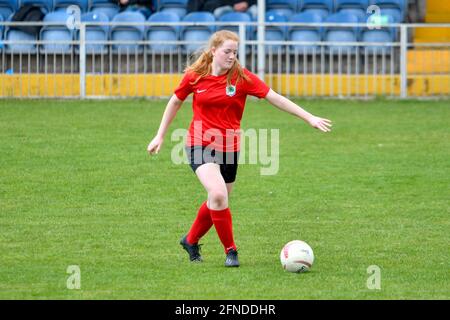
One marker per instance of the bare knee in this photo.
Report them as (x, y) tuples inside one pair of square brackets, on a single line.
[(218, 199)]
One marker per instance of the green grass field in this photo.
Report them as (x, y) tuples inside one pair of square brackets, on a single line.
[(77, 187)]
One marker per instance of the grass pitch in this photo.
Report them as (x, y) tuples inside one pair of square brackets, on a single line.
[(78, 188)]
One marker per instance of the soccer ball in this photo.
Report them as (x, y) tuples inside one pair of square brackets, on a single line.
[(297, 256)]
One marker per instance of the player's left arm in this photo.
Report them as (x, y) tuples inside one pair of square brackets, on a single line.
[(287, 105)]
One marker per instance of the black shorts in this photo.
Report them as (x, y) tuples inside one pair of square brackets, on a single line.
[(228, 161)]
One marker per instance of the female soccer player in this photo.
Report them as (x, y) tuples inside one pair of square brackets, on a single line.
[(220, 86)]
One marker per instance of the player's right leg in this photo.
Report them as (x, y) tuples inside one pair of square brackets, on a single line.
[(212, 180)]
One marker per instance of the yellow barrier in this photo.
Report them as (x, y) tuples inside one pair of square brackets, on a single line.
[(156, 85), (39, 85), (335, 85), (437, 11), (421, 61), (431, 35), (129, 85)]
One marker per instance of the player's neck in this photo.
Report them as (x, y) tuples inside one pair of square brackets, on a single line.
[(217, 71)]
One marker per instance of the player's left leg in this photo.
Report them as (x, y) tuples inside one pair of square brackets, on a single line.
[(229, 188), (203, 221)]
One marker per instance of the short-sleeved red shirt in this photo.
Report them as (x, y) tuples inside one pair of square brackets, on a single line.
[(218, 109)]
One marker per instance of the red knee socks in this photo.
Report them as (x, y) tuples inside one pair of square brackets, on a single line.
[(201, 225), (204, 221), (223, 224)]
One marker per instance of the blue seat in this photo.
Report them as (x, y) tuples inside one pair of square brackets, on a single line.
[(144, 10), (355, 7), (383, 34), (96, 32), (236, 17), (360, 14), (394, 8), (339, 34), (283, 7), (59, 5), (128, 33), (163, 33), (197, 36), (321, 7), (15, 35), (58, 31), (396, 15), (275, 33), (349, 4), (7, 7), (305, 33), (45, 5), (106, 7), (178, 7)]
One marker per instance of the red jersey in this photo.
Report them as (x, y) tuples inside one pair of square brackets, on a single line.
[(218, 108)]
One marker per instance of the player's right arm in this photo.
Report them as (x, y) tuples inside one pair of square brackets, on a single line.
[(172, 108)]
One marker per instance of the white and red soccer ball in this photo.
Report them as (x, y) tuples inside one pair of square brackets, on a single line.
[(297, 256)]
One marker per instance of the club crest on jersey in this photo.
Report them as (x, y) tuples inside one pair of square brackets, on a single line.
[(231, 90)]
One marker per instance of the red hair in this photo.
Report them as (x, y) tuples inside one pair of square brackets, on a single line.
[(202, 66)]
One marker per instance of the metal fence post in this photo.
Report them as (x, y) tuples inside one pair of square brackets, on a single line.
[(403, 61), (242, 44), (83, 60), (261, 37)]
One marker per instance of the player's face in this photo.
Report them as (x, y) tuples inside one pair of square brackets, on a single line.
[(225, 55)]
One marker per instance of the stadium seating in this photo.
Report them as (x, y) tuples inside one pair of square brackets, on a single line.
[(45, 5), (339, 34), (322, 7), (59, 5), (302, 11), (7, 7), (147, 12), (283, 7), (175, 6), (236, 17), (163, 33), (382, 35), (128, 33), (96, 32), (197, 35), (104, 6), (355, 7), (15, 35), (394, 8), (275, 33), (305, 33), (58, 31)]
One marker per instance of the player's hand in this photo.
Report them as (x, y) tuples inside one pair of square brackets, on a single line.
[(320, 123), (155, 145)]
